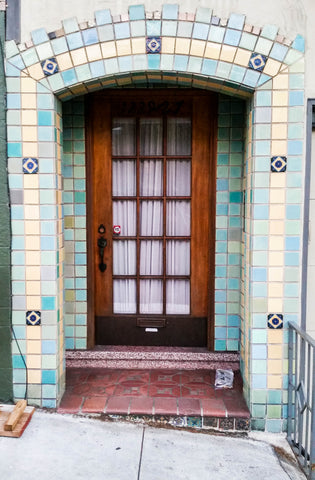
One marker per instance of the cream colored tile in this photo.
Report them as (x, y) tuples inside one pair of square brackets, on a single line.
[(275, 290), (275, 336), (78, 56), (35, 71), (277, 180), (32, 287), (274, 367), (276, 212), (28, 85), (279, 130), (275, 304), (108, 49), (29, 134), (242, 57), (31, 197), (32, 242), (275, 274), (32, 273), (280, 98), (29, 117), (30, 181), (31, 227), (138, 46), (32, 258), (227, 53), (33, 361), (278, 147), (123, 47), (34, 376), (197, 48), (64, 61), (182, 46), (31, 212), (275, 351), (276, 242), (281, 82), (279, 114), (33, 302), (276, 195), (272, 67), (33, 332), (30, 149), (274, 381), (276, 259), (168, 45), (28, 101), (93, 53), (212, 50)]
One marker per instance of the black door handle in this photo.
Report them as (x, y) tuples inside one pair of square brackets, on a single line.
[(101, 243)]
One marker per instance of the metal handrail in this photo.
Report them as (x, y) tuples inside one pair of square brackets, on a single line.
[(301, 401)]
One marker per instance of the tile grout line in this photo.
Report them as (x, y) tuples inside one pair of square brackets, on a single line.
[(141, 451)]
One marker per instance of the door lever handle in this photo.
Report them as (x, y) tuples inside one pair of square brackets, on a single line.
[(101, 243)]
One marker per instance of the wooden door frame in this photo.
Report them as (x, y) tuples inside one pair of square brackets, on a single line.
[(91, 247)]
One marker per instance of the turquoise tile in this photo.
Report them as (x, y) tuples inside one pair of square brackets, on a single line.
[(154, 28), (122, 30), (39, 36), (69, 76), (296, 98), (97, 69), (203, 15), (170, 12), (200, 31), (194, 64), (103, 17), (216, 34), (169, 28), (74, 40), (219, 345), (251, 78), (125, 63), (90, 36), (70, 25), (154, 61), (137, 28), (180, 62), (232, 37), (209, 67), (269, 31), (111, 66), (106, 33), (30, 57), (14, 149), (184, 29), (137, 12), (299, 43), (236, 21)]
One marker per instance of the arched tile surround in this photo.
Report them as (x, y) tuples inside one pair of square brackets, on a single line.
[(196, 50)]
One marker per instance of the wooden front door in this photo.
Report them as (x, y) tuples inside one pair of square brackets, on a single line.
[(151, 224)]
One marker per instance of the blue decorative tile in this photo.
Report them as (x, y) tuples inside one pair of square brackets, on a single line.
[(30, 165), (275, 320), (50, 66), (33, 318), (153, 44), (195, 422), (257, 62), (278, 164)]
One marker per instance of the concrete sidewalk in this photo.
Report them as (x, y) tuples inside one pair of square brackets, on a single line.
[(63, 447)]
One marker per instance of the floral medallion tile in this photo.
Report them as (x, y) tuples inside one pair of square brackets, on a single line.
[(275, 320), (50, 66), (278, 164), (153, 44), (257, 61), (30, 165), (33, 318)]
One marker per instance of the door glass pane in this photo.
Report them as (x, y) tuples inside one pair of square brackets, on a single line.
[(124, 296), (151, 296), (177, 257), (178, 297), (124, 136), (151, 178), (124, 178), (124, 255), (178, 218), (151, 257), (151, 218), (151, 136), (178, 178), (125, 215), (178, 136)]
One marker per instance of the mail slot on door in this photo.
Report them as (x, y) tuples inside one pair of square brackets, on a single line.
[(151, 322)]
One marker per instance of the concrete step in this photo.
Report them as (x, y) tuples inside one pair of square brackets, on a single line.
[(109, 356)]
